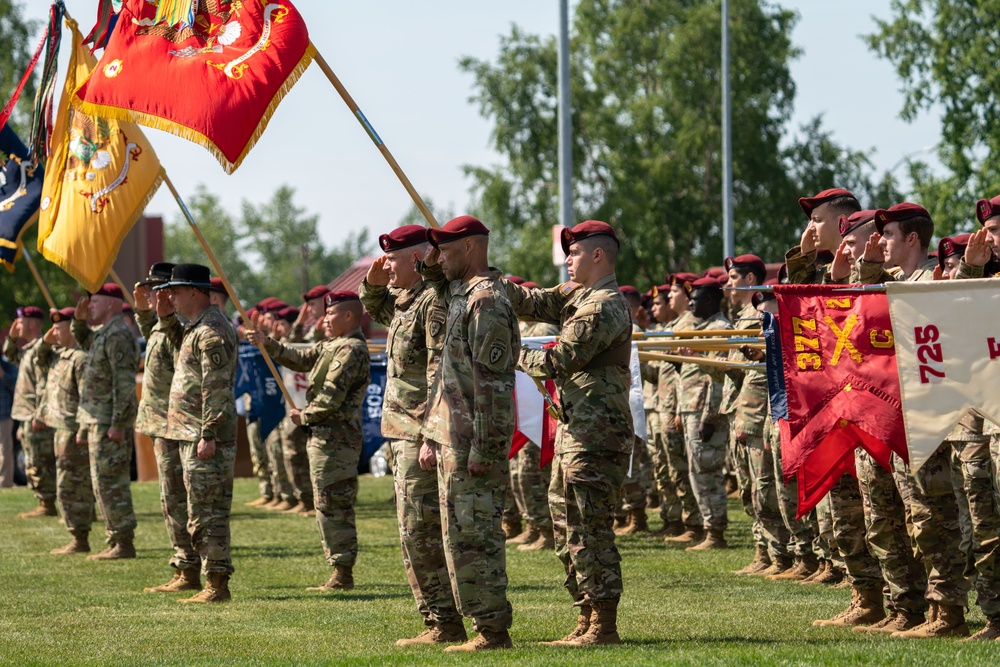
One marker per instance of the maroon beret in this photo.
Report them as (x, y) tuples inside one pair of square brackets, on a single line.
[(809, 204), (584, 230), (628, 289), (317, 292), (746, 260), (517, 280), (30, 312), (987, 208), (273, 305), (403, 237), (898, 213), (455, 229), (62, 315), (288, 314), (216, 285), (332, 298), (527, 284), (951, 245), (716, 272), (707, 281), (110, 289), (265, 302), (684, 280), (848, 223)]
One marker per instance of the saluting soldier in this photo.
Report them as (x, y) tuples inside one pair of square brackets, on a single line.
[(590, 364), (396, 296), (470, 421), (107, 409), (64, 363), (21, 348), (201, 417), (339, 376)]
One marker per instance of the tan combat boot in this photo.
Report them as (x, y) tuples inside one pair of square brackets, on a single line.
[(820, 569), (484, 641), (295, 508), (823, 622), (897, 621), (669, 529), (260, 502), (342, 580), (511, 527), (79, 545), (689, 536), (637, 523), (831, 576), (216, 590), (439, 633), (990, 632), (282, 506), (526, 536), (761, 561), (867, 610), (183, 580), (603, 626), (803, 568), (45, 508), (582, 625), (545, 542), (272, 503), (778, 565), (715, 539), (118, 550), (948, 621)]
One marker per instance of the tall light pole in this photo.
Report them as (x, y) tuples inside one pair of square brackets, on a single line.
[(565, 128), (727, 142)]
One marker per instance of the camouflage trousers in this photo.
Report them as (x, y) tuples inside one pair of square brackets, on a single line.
[(74, 488), (764, 494), (937, 531), (849, 532), (418, 511), (293, 451), (511, 512), (801, 532), (281, 484), (978, 475), (258, 454), (174, 503), (633, 493), (530, 485), (671, 509), (825, 543), (109, 470), (333, 464), (39, 461), (6, 453), (738, 464), (964, 515), (670, 463), (706, 463), (583, 494), (471, 514), (887, 497), (209, 484)]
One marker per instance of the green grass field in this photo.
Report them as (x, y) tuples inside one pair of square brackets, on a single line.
[(678, 609)]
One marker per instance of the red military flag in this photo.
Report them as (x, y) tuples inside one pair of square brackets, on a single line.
[(215, 82), (843, 390)]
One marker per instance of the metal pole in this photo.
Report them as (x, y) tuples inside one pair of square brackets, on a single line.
[(727, 142), (565, 128)]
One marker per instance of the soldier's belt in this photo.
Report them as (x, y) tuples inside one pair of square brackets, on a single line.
[(618, 355)]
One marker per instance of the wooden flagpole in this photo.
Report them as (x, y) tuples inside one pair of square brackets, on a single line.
[(352, 105), (229, 288), (38, 278)]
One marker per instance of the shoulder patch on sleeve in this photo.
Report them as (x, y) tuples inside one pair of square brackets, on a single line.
[(568, 288)]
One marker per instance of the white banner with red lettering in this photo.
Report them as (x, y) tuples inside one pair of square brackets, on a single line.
[(947, 336)]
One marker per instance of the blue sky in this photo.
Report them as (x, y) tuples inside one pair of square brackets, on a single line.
[(399, 61)]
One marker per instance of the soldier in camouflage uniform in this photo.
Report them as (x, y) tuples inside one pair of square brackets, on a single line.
[(21, 348), (63, 363), (630, 516), (590, 365), (395, 296), (158, 375), (529, 480), (107, 411), (706, 431), (201, 417), (281, 483), (470, 421), (294, 439), (338, 381)]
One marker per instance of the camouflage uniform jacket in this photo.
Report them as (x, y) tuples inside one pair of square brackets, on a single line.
[(107, 394), (700, 387), (338, 380), (29, 391), (873, 273), (668, 379), (415, 319), (64, 368), (752, 404), (298, 334), (804, 269), (158, 373), (734, 378), (202, 402), (12, 351), (650, 374), (537, 329), (470, 407), (588, 363)]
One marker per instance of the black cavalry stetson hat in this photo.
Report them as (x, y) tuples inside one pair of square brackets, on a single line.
[(188, 275), (158, 273)]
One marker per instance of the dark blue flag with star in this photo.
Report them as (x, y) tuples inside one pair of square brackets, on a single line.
[(775, 374), (20, 194)]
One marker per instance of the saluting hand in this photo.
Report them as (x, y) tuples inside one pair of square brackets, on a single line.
[(164, 306), (431, 258), (978, 252), (82, 308), (142, 295), (810, 238), (51, 337), (841, 266), (377, 275), (15, 330), (939, 273), (874, 254)]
